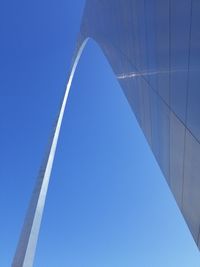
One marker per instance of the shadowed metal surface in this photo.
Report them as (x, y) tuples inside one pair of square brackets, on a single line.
[(153, 47)]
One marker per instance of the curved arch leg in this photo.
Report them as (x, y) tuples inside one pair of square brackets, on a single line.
[(25, 252)]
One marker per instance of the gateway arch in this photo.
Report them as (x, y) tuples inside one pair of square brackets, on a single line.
[(153, 47)]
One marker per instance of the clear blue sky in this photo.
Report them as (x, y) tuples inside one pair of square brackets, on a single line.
[(108, 204)]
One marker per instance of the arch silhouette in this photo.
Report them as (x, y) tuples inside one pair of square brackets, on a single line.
[(25, 252)]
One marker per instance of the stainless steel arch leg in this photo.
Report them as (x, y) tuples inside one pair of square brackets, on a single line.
[(25, 251)]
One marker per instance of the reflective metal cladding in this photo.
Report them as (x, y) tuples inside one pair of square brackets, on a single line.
[(153, 47)]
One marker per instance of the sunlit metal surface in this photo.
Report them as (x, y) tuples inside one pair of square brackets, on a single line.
[(28, 240)]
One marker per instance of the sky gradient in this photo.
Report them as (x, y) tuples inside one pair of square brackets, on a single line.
[(108, 204)]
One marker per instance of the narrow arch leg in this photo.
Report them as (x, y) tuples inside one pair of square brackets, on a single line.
[(25, 252)]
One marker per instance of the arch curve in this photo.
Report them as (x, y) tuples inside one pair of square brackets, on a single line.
[(25, 252)]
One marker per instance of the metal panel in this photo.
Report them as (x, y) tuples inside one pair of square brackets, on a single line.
[(193, 118), (162, 47), (191, 186), (180, 28), (177, 137)]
